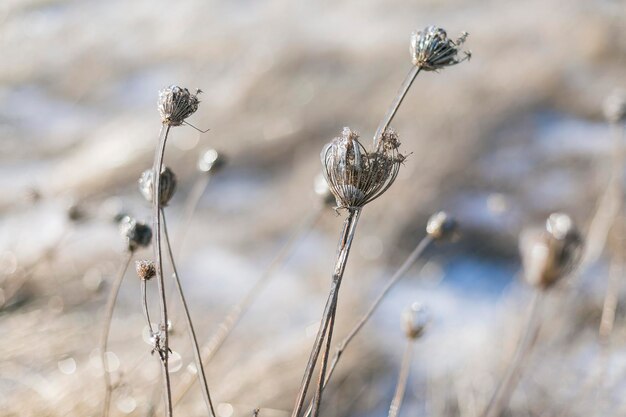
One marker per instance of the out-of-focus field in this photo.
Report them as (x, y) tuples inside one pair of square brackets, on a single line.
[(499, 142)]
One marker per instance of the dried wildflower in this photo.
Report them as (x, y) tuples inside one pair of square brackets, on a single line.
[(176, 104), (135, 233), (145, 269), (441, 226), (414, 321), (615, 107), (211, 161), (356, 177), (549, 255), (167, 185), (431, 49)]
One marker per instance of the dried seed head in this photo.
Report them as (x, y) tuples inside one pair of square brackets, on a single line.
[(145, 270), (615, 107), (321, 189), (136, 234), (414, 321), (431, 49), (167, 185), (442, 226), (549, 255), (211, 161), (176, 104), (356, 177)]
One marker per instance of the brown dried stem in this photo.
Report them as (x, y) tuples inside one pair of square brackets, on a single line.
[(403, 378)]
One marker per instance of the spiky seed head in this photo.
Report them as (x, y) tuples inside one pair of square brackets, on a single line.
[(176, 104), (136, 234), (614, 107), (550, 254), (414, 321), (431, 49), (167, 185), (145, 269), (211, 161), (354, 176), (321, 189), (441, 226)]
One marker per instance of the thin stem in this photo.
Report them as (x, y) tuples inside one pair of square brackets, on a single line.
[(190, 206), (190, 327), (509, 381), (106, 328), (413, 257), (395, 104), (156, 204), (144, 305), (236, 312), (403, 377), (345, 243), (317, 399)]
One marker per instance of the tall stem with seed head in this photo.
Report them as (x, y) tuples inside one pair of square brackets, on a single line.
[(343, 251), (106, 328), (156, 204), (235, 314), (190, 328)]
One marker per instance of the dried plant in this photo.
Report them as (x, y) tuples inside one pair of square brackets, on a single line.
[(414, 321), (548, 256)]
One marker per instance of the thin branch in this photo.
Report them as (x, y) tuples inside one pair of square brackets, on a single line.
[(192, 333), (403, 377), (106, 328)]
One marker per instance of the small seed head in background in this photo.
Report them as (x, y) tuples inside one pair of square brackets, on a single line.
[(356, 177), (549, 255), (441, 226), (614, 107), (145, 270), (168, 185), (321, 189), (431, 49), (176, 104), (211, 161), (414, 321), (136, 234)]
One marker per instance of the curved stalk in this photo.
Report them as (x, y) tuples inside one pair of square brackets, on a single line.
[(156, 204), (190, 206), (509, 381), (345, 243), (403, 377), (395, 104), (106, 328), (190, 328), (413, 257), (236, 312)]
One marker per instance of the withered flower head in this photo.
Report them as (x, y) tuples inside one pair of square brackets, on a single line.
[(441, 226), (431, 49), (167, 185), (549, 255), (414, 321), (136, 234), (211, 161), (356, 177), (176, 104), (145, 269), (615, 107)]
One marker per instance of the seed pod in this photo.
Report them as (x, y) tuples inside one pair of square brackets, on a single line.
[(414, 321), (431, 49), (176, 104), (549, 255), (442, 226), (145, 269), (356, 177), (614, 107), (167, 185), (211, 161), (136, 234)]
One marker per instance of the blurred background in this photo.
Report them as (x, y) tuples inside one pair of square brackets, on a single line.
[(499, 142)]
